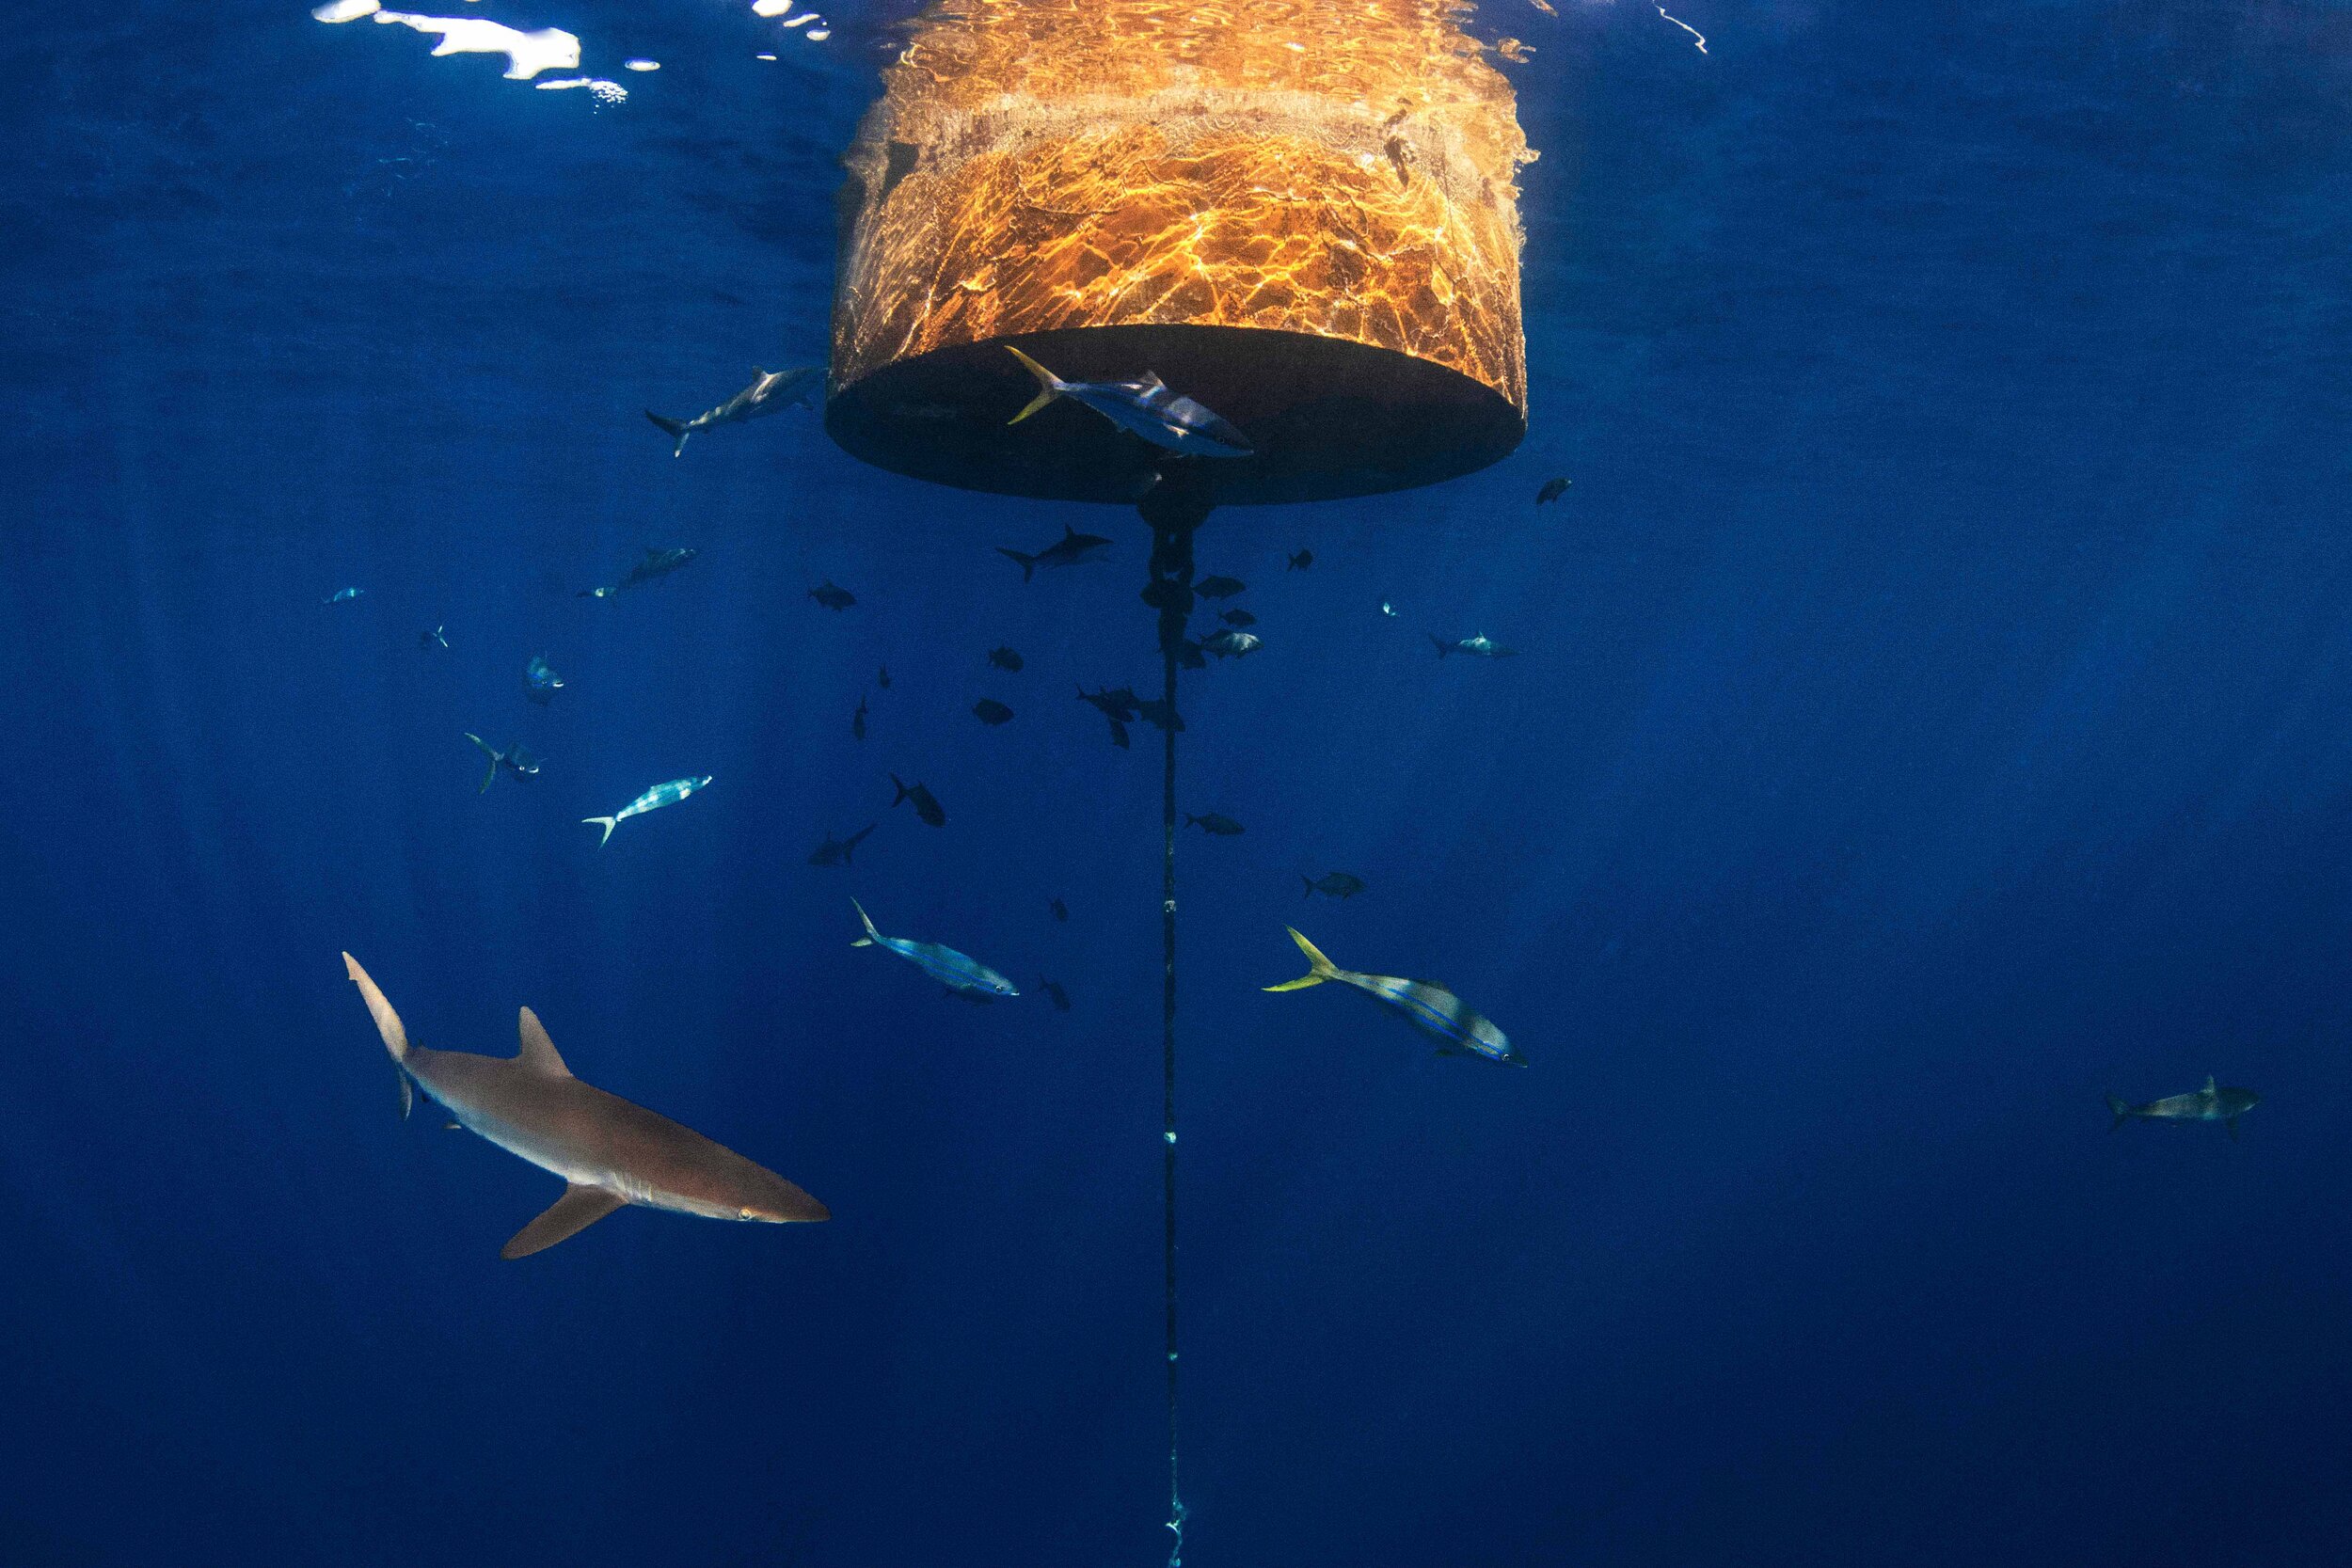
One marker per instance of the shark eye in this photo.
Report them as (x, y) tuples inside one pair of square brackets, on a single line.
[(745, 1214)]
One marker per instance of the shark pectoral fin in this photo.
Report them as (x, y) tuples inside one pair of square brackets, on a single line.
[(538, 1053), (387, 1021), (575, 1210)]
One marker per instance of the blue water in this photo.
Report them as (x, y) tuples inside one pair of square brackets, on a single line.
[(1931, 720)]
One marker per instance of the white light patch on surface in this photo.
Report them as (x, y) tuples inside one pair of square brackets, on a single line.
[(602, 90), (346, 11), (527, 53), (802, 19), (641, 64), (763, 56), (1685, 26), (771, 8), (818, 35)]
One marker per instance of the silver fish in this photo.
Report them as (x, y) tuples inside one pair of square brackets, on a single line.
[(771, 393), (2214, 1102), (1481, 646), (661, 794), (958, 971), (1147, 408)]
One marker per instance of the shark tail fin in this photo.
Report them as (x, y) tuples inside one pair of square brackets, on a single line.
[(1029, 563), (871, 936), (387, 1021), (675, 429), (610, 823), (1049, 384), (1319, 968), (2119, 1110)]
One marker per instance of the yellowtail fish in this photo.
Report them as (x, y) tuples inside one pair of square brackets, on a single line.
[(610, 1152), (958, 971), (1426, 1006), (1147, 408), (661, 794)]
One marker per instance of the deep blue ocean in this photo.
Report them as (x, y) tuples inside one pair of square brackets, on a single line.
[(1930, 718)]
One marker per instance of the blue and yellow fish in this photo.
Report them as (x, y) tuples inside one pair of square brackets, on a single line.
[(958, 971), (661, 794), (1426, 1006)]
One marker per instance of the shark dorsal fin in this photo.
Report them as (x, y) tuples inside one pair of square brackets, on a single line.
[(1152, 383), (2209, 1083), (760, 374), (538, 1051)]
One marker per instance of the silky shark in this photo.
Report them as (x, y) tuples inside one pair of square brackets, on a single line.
[(609, 1152), (771, 393)]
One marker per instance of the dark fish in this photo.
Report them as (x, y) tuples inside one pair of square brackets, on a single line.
[(1303, 559), (1118, 737), (1431, 1008), (1238, 618), (656, 566), (1234, 645), (1189, 657), (1147, 408), (1219, 588), (1062, 910), (2214, 1102), (1005, 659), (540, 681), (1114, 703), (988, 710), (1072, 549), (608, 1152), (517, 759), (926, 806), (433, 638), (1337, 885), (883, 679), (1053, 988), (769, 392), (1481, 646), (1223, 827), (1161, 714), (857, 720), (836, 851), (1553, 489), (832, 597)]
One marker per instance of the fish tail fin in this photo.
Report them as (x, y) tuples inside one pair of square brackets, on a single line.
[(490, 774), (387, 1021), (849, 845), (900, 784), (1190, 820), (610, 823), (2119, 1110), (1309, 882), (871, 936), (1438, 643), (675, 429), (1029, 563), (1319, 968), (1049, 384)]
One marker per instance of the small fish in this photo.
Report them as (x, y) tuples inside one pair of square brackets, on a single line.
[(1190, 655), (771, 393), (1400, 153), (926, 806), (1553, 489), (2214, 1102), (1336, 884), (1234, 645), (1238, 618), (656, 566), (831, 597), (1005, 659), (1146, 407), (1480, 646), (1073, 548), (1120, 738), (1053, 988), (1062, 910), (988, 710), (1223, 827), (540, 681), (836, 851), (857, 720), (517, 759), (342, 595), (1114, 703), (429, 639), (1161, 714), (958, 971), (1219, 588), (882, 677), (1426, 1006), (661, 794), (1387, 608), (610, 590), (1301, 561)]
